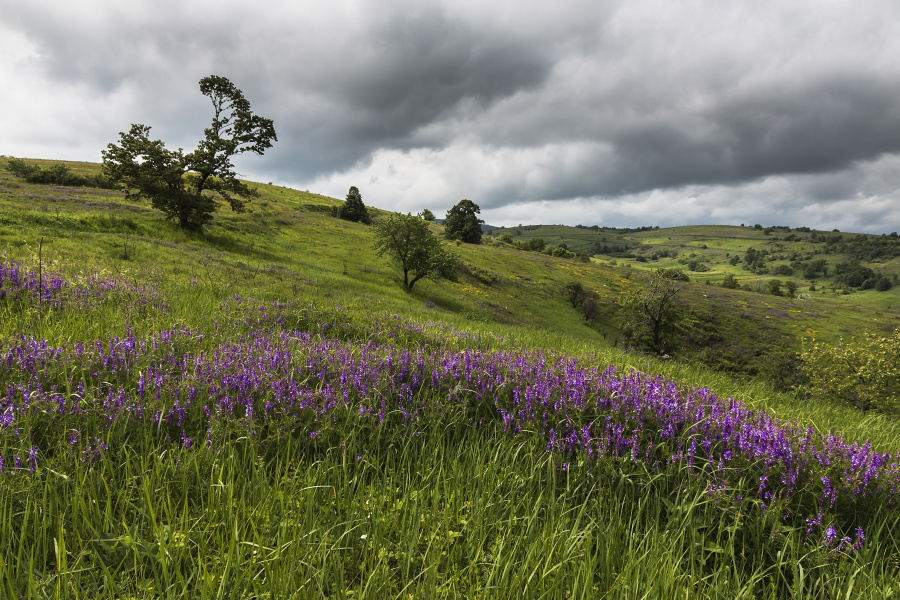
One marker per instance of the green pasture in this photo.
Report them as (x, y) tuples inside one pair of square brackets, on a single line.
[(359, 512)]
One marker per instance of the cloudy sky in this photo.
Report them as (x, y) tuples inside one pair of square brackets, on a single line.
[(618, 113)]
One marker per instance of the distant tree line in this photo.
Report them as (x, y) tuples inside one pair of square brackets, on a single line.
[(849, 274), (864, 248), (539, 245), (621, 250), (618, 229), (854, 275)]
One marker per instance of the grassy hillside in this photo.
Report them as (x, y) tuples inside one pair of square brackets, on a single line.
[(711, 249), (261, 410), (710, 252)]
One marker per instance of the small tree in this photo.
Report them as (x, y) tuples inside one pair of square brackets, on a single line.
[(353, 208), (575, 293), (463, 224), (427, 215), (651, 316), (536, 244), (418, 251), (590, 307), (180, 184), (790, 287), (730, 282)]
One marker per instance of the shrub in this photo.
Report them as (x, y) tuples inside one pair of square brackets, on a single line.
[(58, 174), (864, 374), (730, 282), (483, 275), (353, 208)]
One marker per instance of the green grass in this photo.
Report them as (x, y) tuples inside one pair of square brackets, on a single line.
[(454, 513), (364, 512), (849, 313)]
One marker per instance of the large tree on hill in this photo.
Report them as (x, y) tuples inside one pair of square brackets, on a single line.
[(463, 224), (185, 186), (417, 250)]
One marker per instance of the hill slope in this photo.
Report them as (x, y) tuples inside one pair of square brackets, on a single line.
[(263, 411), (290, 241), (833, 267)]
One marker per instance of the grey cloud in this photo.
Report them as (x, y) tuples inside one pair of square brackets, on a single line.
[(813, 128), (514, 101), (404, 68)]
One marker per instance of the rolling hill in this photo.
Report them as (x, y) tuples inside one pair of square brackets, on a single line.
[(262, 410)]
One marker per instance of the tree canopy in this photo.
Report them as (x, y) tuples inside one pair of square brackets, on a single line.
[(463, 224), (417, 250), (185, 186), (353, 208)]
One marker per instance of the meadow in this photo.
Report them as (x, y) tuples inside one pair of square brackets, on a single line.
[(713, 246), (261, 411)]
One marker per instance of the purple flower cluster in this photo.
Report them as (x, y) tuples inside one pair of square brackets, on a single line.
[(284, 364), (180, 380), (19, 285)]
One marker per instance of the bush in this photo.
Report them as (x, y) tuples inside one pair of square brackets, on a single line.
[(483, 275), (864, 374), (783, 270), (58, 174), (353, 208), (730, 282)]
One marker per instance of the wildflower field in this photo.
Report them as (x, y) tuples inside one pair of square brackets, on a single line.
[(176, 441)]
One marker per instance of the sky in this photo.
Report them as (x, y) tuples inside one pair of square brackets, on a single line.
[(613, 113)]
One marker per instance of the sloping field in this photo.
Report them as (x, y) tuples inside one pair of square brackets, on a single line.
[(262, 411)]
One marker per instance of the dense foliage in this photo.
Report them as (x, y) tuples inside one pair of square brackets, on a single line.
[(864, 374), (409, 241), (462, 222), (353, 208), (184, 186)]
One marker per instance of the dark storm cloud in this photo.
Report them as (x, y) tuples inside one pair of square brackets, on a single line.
[(414, 67), (336, 97), (788, 126), (508, 103), (408, 72)]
